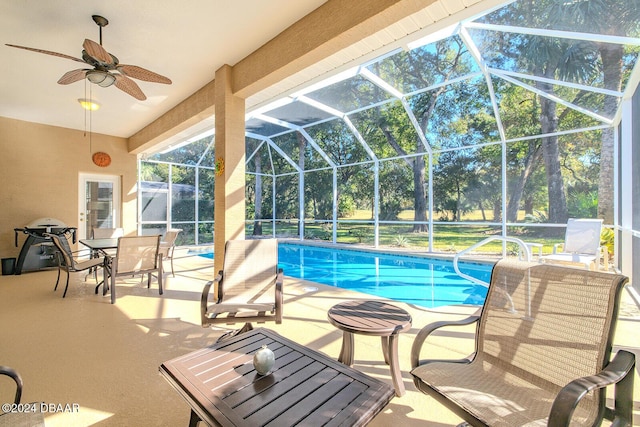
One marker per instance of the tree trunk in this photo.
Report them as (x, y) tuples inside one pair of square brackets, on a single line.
[(612, 58), (302, 145), (516, 194), (497, 209), (551, 155), (419, 194), (481, 207), (257, 224)]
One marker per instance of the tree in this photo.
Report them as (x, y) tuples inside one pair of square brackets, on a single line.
[(437, 62), (551, 59), (617, 18), (257, 224)]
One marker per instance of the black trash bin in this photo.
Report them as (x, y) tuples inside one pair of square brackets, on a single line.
[(8, 266)]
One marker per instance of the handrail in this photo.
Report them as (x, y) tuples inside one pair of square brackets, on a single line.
[(522, 244)]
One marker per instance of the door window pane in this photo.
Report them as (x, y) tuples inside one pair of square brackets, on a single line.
[(99, 205)]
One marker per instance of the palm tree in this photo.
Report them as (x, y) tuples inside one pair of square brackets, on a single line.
[(615, 18)]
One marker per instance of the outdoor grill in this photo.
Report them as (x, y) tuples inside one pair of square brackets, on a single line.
[(37, 250)]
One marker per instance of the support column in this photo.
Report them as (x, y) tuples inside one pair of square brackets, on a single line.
[(230, 147)]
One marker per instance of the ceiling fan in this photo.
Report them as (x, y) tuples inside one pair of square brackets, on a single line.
[(107, 69)]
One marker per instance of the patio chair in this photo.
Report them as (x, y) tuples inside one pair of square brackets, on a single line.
[(542, 355), (69, 261), (248, 288), (581, 245), (107, 233), (24, 417), (135, 255), (168, 245)]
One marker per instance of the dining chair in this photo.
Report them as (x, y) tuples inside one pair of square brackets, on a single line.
[(70, 262), (168, 245), (107, 233), (135, 255)]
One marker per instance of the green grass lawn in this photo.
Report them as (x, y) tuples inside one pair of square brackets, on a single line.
[(448, 238)]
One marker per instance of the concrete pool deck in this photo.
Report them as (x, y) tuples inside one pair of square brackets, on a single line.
[(105, 357)]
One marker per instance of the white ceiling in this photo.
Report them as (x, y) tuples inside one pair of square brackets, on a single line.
[(185, 41)]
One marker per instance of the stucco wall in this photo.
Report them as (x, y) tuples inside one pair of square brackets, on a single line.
[(39, 170)]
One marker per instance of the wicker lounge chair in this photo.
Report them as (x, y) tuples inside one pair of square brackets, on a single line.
[(248, 288), (543, 348), (581, 245)]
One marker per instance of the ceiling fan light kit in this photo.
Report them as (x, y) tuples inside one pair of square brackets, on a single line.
[(101, 78), (107, 69)]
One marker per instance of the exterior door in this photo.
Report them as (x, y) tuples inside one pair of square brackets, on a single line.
[(99, 204)]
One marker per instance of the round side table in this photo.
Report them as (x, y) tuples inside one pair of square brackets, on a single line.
[(376, 318)]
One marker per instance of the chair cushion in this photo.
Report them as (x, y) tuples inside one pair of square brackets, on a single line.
[(495, 396), (246, 303), (239, 309), (571, 257)]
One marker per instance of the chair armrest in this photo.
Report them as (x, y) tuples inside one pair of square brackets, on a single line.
[(619, 371), (428, 329), (279, 296), (204, 299), (556, 248), (10, 372)]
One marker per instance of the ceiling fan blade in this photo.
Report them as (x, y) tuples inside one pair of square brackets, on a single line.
[(48, 52), (127, 85), (142, 74), (97, 51), (72, 76)]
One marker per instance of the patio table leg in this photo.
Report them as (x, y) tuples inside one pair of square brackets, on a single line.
[(396, 375), (346, 352), (385, 349)]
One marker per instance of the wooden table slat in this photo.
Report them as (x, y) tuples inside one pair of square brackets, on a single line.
[(327, 390), (207, 364), (293, 397), (343, 407), (213, 411), (279, 386), (242, 372), (258, 382)]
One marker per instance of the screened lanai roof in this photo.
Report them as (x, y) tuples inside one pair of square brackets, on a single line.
[(460, 87)]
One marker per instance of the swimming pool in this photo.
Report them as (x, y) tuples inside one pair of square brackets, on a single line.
[(426, 282)]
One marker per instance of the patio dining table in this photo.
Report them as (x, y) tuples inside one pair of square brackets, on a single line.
[(100, 245)]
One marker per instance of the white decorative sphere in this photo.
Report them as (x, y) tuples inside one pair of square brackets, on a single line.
[(263, 360)]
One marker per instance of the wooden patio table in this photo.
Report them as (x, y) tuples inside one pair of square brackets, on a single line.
[(304, 388), (376, 318)]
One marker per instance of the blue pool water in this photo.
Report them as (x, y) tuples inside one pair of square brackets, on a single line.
[(426, 282)]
